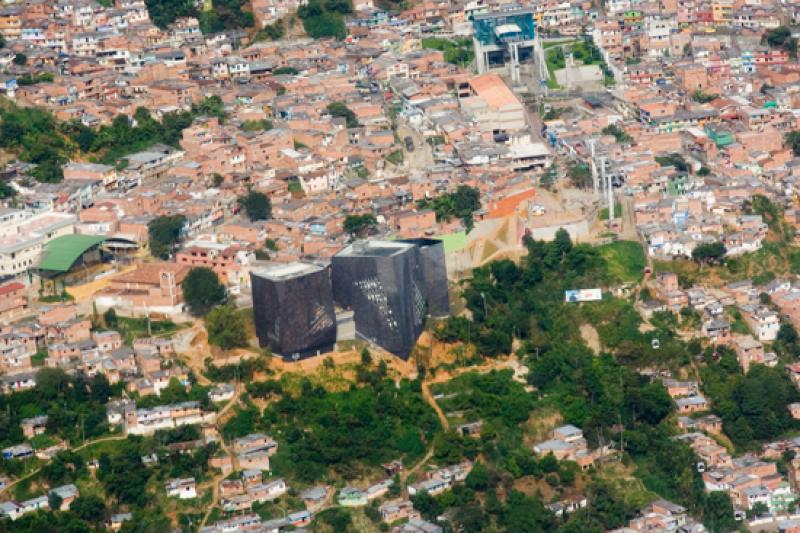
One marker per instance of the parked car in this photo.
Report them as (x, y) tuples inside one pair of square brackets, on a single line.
[(409, 143)]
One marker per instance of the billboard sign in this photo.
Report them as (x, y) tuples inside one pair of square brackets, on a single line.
[(583, 295)]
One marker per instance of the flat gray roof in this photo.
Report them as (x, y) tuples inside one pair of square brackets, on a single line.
[(374, 249), (286, 271)]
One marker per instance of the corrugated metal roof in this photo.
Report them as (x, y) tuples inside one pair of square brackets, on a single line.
[(62, 252)]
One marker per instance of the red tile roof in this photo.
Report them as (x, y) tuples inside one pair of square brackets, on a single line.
[(11, 287)]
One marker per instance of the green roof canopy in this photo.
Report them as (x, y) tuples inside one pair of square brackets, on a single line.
[(62, 252)]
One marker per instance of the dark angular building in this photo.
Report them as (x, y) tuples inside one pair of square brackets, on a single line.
[(383, 285), (433, 270), (293, 309)]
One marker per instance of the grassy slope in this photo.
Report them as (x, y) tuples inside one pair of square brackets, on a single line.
[(625, 259)]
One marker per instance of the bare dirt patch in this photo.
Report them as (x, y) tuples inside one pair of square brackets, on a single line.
[(591, 337), (530, 486), (540, 425)]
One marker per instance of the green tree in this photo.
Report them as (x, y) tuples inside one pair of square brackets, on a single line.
[(353, 430), (337, 519), (203, 291), (427, 505), (147, 521), (606, 507), (470, 518), (718, 513), (110, 317), (226, 15), (271, 32), (89, 508), (256, 205), (619, 134), (562, 242), (324, 19), (338, 109), (579, 174), (212, 106), (111, 143), (787, 333), (759, 509), (285, 70), (781, 37), (478, 478), (793, 139), (257, 125), (101, 389), (777, 36), (54, 501), (709, 253), (165, 233), (359, 225), (165, 12), (6, 190), (20, 59), (461, 203), (455, 51), (703, 97), (343, 7), (51, 382), (122, 474), (226, 327), (673, 160), (524, 513), (466, 200), (84, 136)]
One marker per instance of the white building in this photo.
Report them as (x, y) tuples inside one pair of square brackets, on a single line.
[(184, 488), (764, 322), (148, 421), (23, 234)]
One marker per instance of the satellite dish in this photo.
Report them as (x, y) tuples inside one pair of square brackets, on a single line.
[(655, 344)]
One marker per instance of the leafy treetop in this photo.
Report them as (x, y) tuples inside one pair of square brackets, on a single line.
[(256, 205), (359, 225), (165, 233), (226, 327), (203, 291), (338, 109)]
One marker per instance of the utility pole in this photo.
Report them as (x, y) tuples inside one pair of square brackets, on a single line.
[(606, 180), (610, 191), (595, 176)]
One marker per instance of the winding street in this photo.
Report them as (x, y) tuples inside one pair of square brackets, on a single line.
[(78, 448), (215, 481)]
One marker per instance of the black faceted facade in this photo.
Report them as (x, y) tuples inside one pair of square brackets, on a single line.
[(431, 262), (383, 285), (293, 309)]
